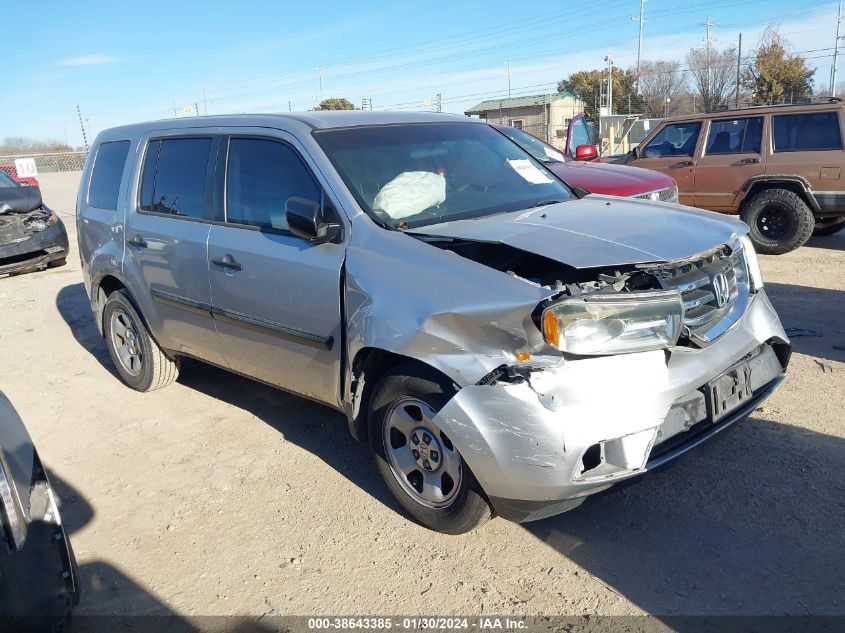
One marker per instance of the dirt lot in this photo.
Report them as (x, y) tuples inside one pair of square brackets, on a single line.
[(218, 495)]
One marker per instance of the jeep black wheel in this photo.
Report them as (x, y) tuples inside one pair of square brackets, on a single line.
[(779, 221)]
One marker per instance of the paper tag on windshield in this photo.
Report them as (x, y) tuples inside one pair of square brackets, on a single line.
[(553, 154), (529, 171)]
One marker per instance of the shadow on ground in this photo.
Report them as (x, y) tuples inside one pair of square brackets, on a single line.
[(812, 317), (72, 303), (749, 523)]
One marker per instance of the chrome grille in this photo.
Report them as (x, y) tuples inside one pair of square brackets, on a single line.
[(714, 289), (661, 195)]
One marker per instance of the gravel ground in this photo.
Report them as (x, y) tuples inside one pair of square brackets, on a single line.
[(219, 495)]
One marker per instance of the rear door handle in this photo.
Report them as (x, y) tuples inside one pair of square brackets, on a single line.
[(749, 161), (137, 242), (686, 163), (228, 262)]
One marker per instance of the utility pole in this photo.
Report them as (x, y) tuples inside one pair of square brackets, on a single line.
[(84, 136), (836, 52), (738, 61), (320, 71), (508, 62), (174, 109), (290, 109), (197, 108), (610, 81), (438, 100), (204, 103), (642, 21), (708, 24)]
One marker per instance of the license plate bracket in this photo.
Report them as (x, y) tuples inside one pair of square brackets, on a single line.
[(729, 391)]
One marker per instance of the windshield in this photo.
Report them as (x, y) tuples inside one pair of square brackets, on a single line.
[(534, 146), (6, 179), (413, 175)]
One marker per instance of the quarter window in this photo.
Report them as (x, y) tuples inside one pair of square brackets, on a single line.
[(262, 174), (106, 175), (174, 177), (678, 139), (735, 136), (809, 131)]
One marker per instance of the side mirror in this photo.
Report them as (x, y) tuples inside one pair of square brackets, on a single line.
[(586, 152), (305, 220), (635, 152)]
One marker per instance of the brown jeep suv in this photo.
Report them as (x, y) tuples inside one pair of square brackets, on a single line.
[(779, 167)]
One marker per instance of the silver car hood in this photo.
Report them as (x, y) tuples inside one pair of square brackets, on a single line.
[(600, 231)]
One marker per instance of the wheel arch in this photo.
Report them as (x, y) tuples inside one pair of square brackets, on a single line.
[(366, 368), (105, 286), (796, 184)]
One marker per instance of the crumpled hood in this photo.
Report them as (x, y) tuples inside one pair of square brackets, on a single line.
[(600, 231), (20, 199)]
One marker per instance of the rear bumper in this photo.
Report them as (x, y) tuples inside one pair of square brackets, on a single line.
[(541, 446), (37, 251)]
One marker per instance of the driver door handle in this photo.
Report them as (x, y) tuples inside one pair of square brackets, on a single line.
[(686, 163), (137, 242), (749, 161), (228, 262)]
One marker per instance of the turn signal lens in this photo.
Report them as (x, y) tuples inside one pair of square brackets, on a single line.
[(551, 329), (522, 355)]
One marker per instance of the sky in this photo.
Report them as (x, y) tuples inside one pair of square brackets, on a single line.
[(126, 62)]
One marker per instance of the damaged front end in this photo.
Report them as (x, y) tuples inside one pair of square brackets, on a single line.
[(31, 235), (571, 379)]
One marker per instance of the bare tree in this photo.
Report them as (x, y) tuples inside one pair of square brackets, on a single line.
[(713, 75), (661, 83)]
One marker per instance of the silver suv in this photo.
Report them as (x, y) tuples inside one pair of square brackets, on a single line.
[(503, 345)]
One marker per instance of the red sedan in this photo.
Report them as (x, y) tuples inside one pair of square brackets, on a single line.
[(595, 177)]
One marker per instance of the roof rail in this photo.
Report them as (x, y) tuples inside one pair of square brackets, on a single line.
[(816, 102)]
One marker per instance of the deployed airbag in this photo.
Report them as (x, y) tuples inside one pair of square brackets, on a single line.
[(411, 192)]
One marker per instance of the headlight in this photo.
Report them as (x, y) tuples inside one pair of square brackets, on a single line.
[(753, 265), (614, 324)]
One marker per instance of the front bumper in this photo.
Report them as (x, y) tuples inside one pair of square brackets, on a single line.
[(541, 446), (35, 252)]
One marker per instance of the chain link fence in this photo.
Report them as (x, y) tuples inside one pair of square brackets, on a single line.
[(51, 163)]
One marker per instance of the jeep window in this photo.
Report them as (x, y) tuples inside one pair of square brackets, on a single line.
[(677, 139), (106, 175), (580, 136), (413, 175), (174, 176), (735, 136), (262, 174), (808, 131)]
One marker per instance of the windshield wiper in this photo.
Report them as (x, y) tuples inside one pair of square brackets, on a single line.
[(543, 203)]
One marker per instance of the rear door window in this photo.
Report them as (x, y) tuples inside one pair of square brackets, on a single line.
[(735, 136), (175, 177), (106, 175), (676, 139), (806, 132), (262, 174)]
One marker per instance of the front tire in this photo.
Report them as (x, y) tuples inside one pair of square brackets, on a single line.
[(417, 460), (139, 360), (780, 221)]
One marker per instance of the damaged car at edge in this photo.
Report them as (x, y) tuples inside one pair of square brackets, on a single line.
[(32, 237), (506, 345)]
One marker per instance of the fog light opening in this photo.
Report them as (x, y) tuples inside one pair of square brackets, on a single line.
[(591, 458)]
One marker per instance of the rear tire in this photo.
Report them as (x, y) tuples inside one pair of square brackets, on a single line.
[(139, 360), (441, 494), (829, 226), (780, 221)]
